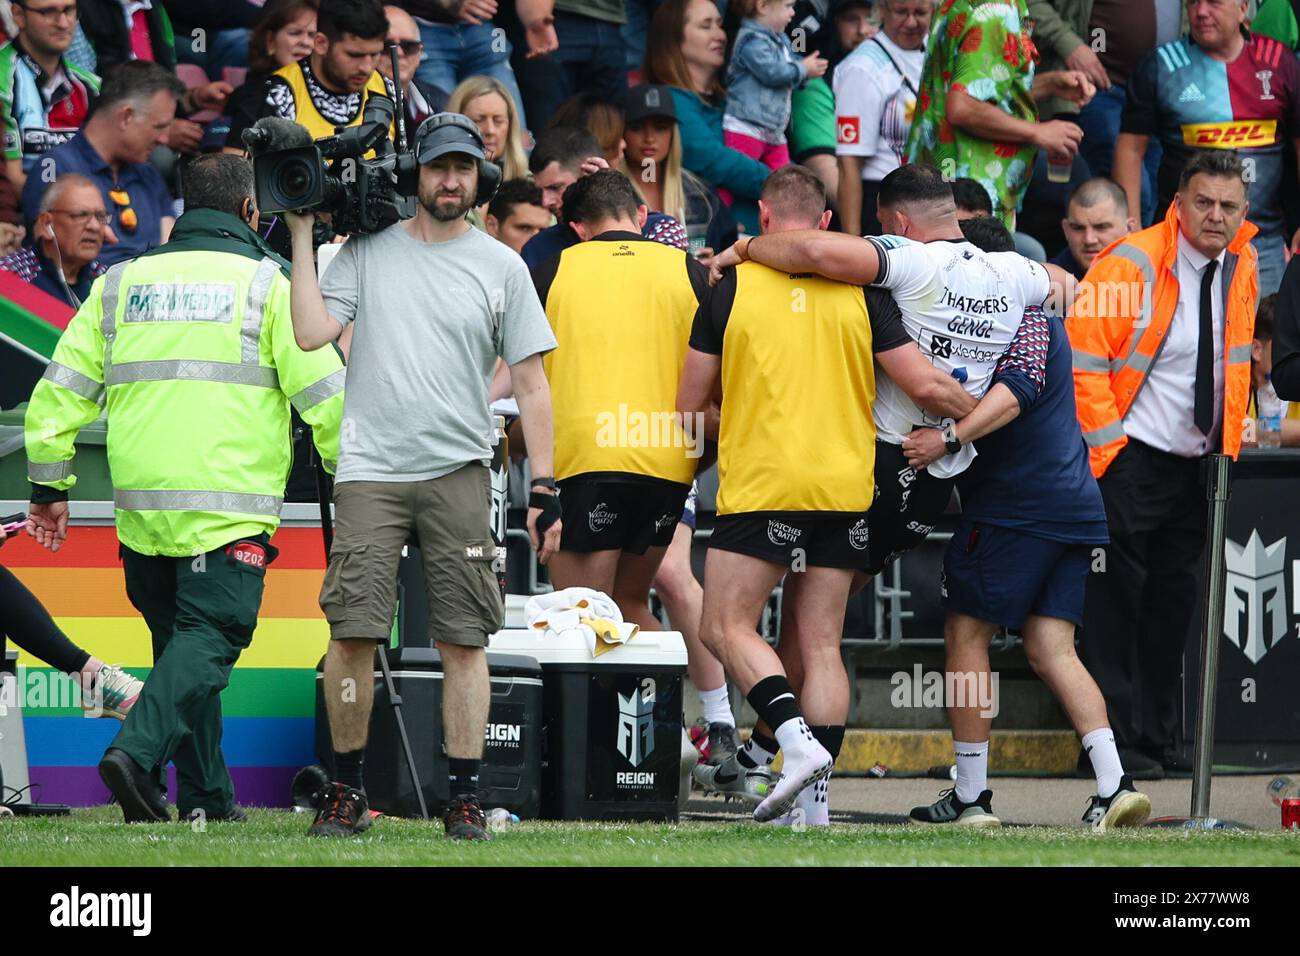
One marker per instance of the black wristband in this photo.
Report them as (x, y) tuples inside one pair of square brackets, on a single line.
[(544, 482), (550, 508), (44, 494)]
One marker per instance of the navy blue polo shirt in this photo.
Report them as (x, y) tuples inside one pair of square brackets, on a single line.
[(142, 183)]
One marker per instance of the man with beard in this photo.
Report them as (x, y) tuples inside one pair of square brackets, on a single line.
[(441, 301), (329, 88)]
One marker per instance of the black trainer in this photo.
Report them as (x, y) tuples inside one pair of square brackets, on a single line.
[(464, 819), (340, 812), (1126, 807), (948, 809), (139, 795)]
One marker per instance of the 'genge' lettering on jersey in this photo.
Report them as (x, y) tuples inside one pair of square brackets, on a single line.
[(964, 325)]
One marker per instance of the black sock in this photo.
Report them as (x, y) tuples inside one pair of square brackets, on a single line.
[(830, 736), (773, 700), (349, 768), (758, 739), (463, 775)]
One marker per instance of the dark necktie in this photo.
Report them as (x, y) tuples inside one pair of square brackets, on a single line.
[(1204, 413)]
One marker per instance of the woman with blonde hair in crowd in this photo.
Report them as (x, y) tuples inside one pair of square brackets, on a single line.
[(488, 103), (653, 161)]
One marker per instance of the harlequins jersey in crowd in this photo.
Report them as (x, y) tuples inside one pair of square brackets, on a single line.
[(1193, 101), (40, 112)]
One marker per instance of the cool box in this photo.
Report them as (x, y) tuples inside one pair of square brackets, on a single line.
[(611, 725)]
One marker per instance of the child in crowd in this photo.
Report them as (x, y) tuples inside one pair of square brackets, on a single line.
[(764, 69)]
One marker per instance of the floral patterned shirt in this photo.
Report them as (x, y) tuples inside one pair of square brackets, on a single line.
[(983, 48)]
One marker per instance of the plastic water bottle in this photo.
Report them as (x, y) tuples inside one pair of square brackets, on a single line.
[(498, 818), (1282, 788), (1269, 431)]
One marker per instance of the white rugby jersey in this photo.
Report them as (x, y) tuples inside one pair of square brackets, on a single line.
[(962, 306)]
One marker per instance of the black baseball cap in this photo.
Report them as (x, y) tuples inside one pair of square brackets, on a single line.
[(649, 99), (445, 133)]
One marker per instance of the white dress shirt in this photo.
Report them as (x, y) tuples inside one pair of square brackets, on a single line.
[(1162, 414)]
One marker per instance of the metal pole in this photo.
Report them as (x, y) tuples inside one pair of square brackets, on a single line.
[(1218, 489)]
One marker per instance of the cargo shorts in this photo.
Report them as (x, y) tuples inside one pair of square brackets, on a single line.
[(451, 516)]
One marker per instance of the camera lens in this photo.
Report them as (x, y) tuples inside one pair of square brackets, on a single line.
[(293, 180)]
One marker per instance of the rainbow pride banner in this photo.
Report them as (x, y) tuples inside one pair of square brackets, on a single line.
[(269, 706)]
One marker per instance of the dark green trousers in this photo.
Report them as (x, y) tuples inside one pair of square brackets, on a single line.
[(201, 612)]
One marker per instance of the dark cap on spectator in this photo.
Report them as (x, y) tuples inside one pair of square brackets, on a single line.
[(650, 99), (445, 133)]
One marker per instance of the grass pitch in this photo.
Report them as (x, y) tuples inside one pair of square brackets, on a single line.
[(97, 837)]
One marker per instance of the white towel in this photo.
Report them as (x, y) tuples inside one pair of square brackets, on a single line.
[(574, 610)]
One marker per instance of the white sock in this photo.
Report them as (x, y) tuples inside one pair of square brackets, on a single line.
[(1100, 748), (717, 706), (814, 804), (795, 739), (972, 769), (756, 755)]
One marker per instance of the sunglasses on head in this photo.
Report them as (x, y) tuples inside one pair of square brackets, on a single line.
[(126, 216)]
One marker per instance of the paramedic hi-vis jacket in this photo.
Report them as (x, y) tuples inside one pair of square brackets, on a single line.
[(1120, 320), (190, 350)]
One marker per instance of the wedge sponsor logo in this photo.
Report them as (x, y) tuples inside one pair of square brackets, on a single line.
[(848, 129), (917, 528), (76, 909), (943, 347), (782, 534), (858, 535), (635, 780)]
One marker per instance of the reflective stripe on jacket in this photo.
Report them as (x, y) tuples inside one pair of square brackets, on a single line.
[(192, 353)]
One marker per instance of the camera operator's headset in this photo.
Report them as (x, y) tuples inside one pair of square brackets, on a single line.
[(455, 133)]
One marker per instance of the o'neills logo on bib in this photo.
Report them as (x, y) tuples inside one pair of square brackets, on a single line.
[(782, 534), (246, 552), (600, 518), (858, 535)]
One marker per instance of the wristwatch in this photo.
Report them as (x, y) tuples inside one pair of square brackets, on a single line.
[(544, 482), (950, 440)]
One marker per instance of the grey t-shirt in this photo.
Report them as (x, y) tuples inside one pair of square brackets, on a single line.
[(431, 319)]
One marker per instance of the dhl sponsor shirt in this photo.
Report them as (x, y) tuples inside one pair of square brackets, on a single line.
[(1192, 101)]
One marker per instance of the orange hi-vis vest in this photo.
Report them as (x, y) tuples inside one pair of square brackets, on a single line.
[(1118, 323)]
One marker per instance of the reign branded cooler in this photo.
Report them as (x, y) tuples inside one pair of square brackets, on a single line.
[(612, 725), (509, 775)]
